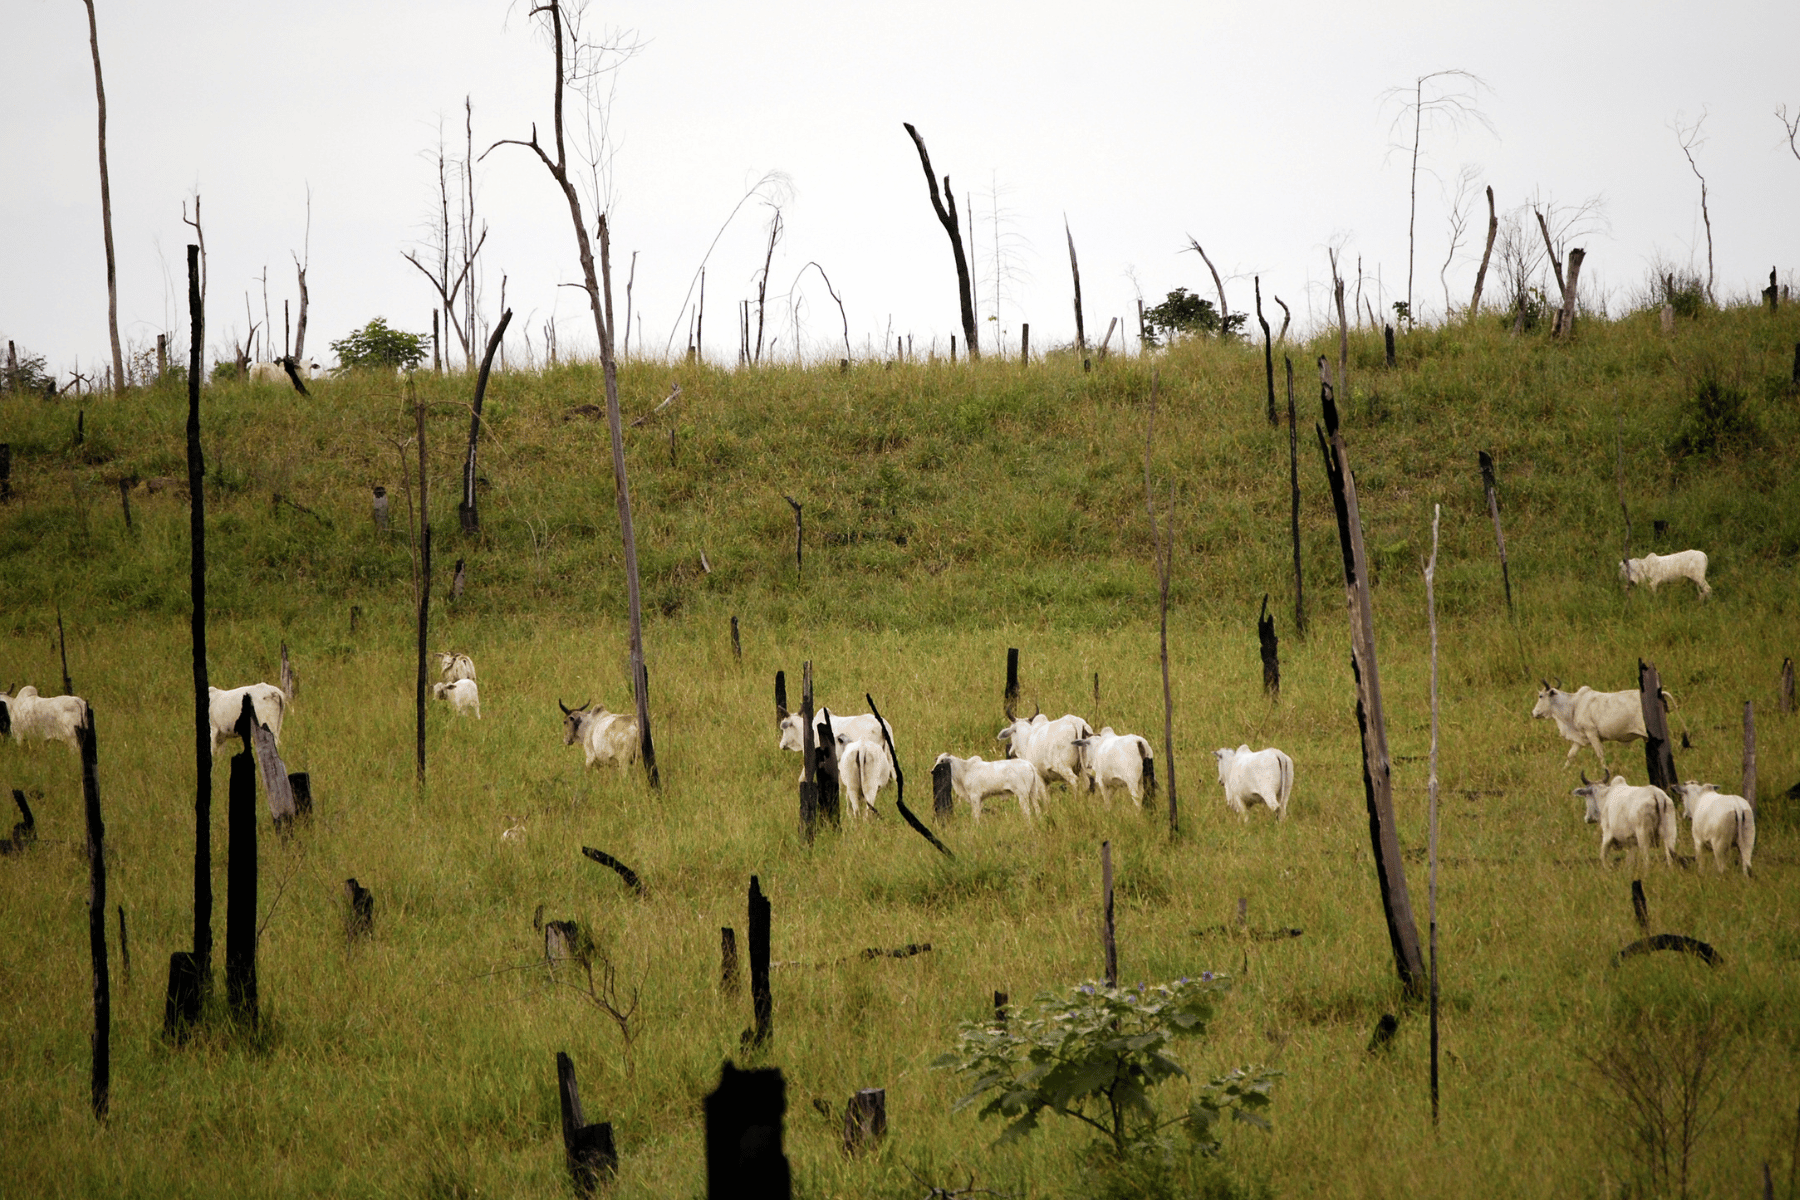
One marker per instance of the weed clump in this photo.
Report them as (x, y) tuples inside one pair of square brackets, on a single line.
[(1717, 420)]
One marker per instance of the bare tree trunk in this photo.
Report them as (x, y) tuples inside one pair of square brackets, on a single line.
[(1162, 553), (1075, 270), (630, 279), (762, 283), (100, 1082), (471, 519), (424, 580), (947, 217), (1565, 323), (112, 280), (1287, 318), (1224, 325), (1341, 393), (1432, 789), (1486, 253), (1403, 931), (196, 464), (1268, 355), (1294, 482), (1493, 502)]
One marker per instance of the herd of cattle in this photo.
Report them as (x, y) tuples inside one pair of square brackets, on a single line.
[(1041, 751)]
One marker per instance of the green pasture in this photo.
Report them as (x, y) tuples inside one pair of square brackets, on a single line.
[(951, 512)]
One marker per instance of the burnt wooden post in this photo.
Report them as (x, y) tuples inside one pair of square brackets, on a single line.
[(762, 1003), (1271, 651), (799, 536), (300, 784), (737, 647), (1025, 341), (1294, 485), (189, 982), (1750, 756), (5, 472), (1388, 334), (276, 789), (1010, 699), (1493, 503), (1096, 697), (826, 771), (1659, 758), (471, 520), (240, 883), (381, 508), (781, 708), (809, 782), (290, 683), (943, 804), (125, 501), (1640, 907), (101, 1082), (1268, 355), (729, 981), (124, 949), (1371, 717), (744, 1155), (588, 1149), (1107, 941), (181, 1004), (359, 910), (1787, 685), (62, 647), (1001, 1000), (865, 1120), (424, 588)]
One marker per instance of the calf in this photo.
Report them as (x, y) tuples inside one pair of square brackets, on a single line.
[(462, 695), (863, 770), (1267, 775), (42, 718), (1719, 822), (975, 779), (1124, 760), (1654, 570), (606, 736), (1631, 816)]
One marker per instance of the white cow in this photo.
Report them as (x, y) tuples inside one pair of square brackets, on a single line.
[(975, 779), (224, 707), (1631, 816), (462, 695), (863, 727), (1654, 570), (1123, 760), (454, 667), (606, 736), (863, 770), (275, 371), (1587, 717), (43, 718), (1267, 775), (1048, 745), (1719, 822)]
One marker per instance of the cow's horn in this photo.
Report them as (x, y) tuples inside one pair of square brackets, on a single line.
[(1585, 781), (562, 706), (1559, 682)]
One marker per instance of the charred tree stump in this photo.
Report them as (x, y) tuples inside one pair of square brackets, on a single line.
[(459, 579), (181, 1003), (1271, 651), (744, 1156), (865, 1120), (276, 788), (1268, 356), (6, 489), (1640, 907), (300, 784), (588, 1149), (124, 949), (240, 884), (1025, 343), (1371, 718), (1493, 502), (1659, 758), (826, 771), (359, 910), (781, 708), (1383, 1037), (125, 501), (189, 982), (1001, 1000), (1387, 332), (24, 830), (1010, 698), (943, 805), (381, 509), (737, 647), (1787, 685), (100, 1083), (762, 1003), (1108, 941), (729, 981)]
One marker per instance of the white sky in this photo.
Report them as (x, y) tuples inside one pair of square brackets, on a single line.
[(1259, 129)]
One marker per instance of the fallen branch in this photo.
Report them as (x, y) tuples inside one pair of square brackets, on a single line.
[(872, 953), (673, 396), (900, 784), (1255, 935), (626, 873), (1671, 941)]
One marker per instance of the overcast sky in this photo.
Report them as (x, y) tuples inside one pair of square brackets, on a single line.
[(1261, 130)]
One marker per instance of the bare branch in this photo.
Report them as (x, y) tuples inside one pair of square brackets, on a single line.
[(1688, 137), (1792, 127)]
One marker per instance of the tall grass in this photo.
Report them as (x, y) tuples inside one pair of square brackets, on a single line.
[(421, 1062)]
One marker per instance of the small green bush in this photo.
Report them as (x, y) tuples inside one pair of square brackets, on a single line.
[(1716, 420), (1181, 313), (377, 347)]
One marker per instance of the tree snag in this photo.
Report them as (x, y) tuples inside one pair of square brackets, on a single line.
[(945, 207)]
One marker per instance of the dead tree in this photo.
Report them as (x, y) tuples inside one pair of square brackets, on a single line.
[(1268, 355), (1162, 552), (1271, 651), (196, 465), (1688, 136), (241, 882), (744, 1155), (471, 519), (1371, 718), (1431, 788), (112, 278), (1224, 324), (1659, 757), (1294, 485), (1453, 104), (945, 207), (1075, 270), (600, 304), (100, 1084), (1493, 502), (424, 621), (1486, 254)]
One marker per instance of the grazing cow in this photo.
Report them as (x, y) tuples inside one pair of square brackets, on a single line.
[(606, 736), (1048, 745), (224, 707), (1719, 822), (863, 769), (1654, 570), (862, 727), (462, 695), (1587, 717), (275, 371), (1267, 775), (42, 718), (454, 667), (1111, 759), (975, 779), (1631, 816)]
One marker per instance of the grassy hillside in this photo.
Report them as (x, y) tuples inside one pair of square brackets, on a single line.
[(421, 1063)]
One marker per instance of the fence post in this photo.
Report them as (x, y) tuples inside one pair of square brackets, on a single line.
[(1493, 503), (1659, 758), (865, 1120), (1271, 651), (240, 884), (100, 1091), (761, 1001), (1011, 698), (729, 981), (1107, 939), (942, 803), (588, 1149), (809, 782), (359, 911)]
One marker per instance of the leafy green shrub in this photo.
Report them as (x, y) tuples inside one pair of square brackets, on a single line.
[(1716, 419), (1094, 1055), (1182, 313), (23, 371), (377, 347)]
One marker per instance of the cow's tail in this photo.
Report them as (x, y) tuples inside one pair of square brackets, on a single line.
[(1149, 761), (1287, 784), (1746, 837)]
